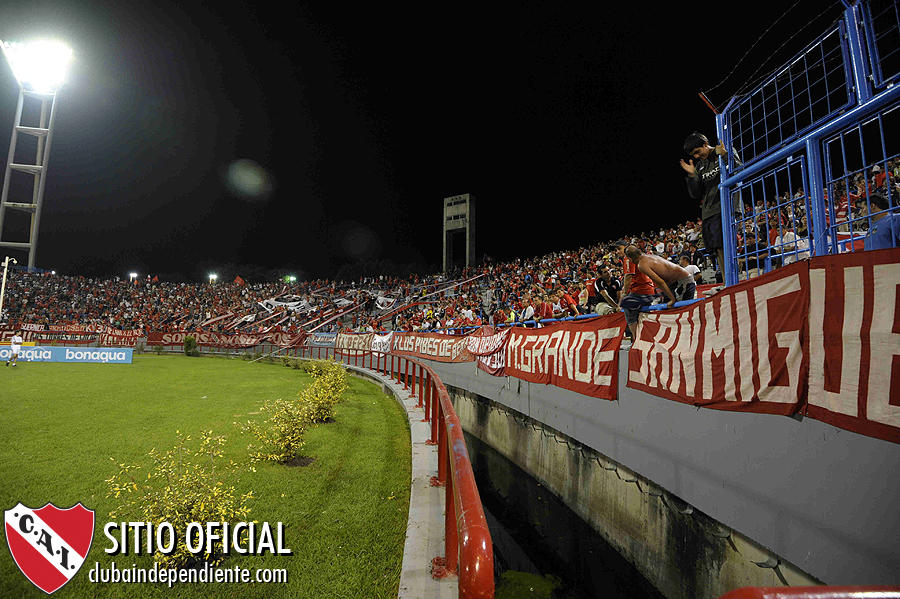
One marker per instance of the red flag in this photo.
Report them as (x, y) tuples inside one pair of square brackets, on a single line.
[(155, 279), (239, 281)]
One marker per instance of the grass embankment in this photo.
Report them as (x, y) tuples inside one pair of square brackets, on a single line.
[(345, 513)]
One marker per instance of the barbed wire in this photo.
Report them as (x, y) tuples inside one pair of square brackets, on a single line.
[(750, 82)]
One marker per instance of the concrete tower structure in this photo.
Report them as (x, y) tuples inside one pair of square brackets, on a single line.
[(459, 214)]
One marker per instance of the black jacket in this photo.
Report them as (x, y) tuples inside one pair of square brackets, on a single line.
[(705, 186)]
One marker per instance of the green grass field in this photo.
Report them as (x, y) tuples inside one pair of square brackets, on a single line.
[(345, 512)]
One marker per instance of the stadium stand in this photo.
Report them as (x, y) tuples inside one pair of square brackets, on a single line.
[(468, 298)]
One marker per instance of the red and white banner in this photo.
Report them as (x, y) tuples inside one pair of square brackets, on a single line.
[(44, 337), (228, 341), (432, 346), (489, 349), (285, 339), (820, 337), (121, 332), (106, 339), (86, 329), (854, 342), (743, 349), (354, 342), (77, 334), (580, 356)]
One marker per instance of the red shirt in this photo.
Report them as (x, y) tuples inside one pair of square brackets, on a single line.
[(640, 283), (545, 310)]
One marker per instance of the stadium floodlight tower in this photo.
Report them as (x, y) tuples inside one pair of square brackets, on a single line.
[(40, 68), (3, 285)]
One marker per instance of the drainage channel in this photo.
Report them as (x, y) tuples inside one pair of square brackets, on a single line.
[(541, 547)]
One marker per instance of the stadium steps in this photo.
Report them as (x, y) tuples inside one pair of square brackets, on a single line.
[(33, 169), (35, 131), (20, 206)]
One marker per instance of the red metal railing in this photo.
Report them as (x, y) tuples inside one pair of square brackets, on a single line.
[(468, 549), (869, 592)]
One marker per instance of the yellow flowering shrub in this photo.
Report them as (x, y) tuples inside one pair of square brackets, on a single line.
[(279, 438), (326, 389), (182, 485)]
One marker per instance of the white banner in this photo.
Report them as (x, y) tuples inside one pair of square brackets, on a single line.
[(384, 303), (382, 343)]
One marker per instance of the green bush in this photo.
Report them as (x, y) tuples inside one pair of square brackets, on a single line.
[(190, 346), (183, 485), (251, 356), (280, 436)]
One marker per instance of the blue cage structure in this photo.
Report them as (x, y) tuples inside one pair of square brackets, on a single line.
[(814, 140)]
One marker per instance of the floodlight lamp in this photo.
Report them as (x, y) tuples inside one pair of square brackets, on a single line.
[(292, 279), (132, 275), (213, 277), (39, 66)]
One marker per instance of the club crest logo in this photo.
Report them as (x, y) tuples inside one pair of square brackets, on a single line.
[(49, 544)]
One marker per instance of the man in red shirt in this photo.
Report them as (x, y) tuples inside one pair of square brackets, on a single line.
[(569, 305), (544, 309), (878, 176), (637, 290)]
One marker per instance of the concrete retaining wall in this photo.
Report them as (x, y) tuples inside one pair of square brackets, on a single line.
[(680, 492)]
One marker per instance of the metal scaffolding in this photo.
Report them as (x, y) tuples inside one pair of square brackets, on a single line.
[(38, 169)]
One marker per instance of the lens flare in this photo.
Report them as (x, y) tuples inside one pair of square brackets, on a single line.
[(248, 180)]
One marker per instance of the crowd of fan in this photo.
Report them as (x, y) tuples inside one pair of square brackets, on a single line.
[(52, 300), (778, 229), (559, 285), (588, 280), (552, 286)]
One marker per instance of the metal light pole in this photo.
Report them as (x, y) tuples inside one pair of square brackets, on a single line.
[(3, 284), (40, 68)]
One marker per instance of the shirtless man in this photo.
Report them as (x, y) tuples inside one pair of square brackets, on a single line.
[(675, 281)]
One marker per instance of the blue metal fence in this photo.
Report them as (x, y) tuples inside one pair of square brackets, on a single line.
[(816, 139), (859, 161), (883, 39), (812, 87), (770, 219)]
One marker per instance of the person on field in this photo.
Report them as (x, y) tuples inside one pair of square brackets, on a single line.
[(15, 346)]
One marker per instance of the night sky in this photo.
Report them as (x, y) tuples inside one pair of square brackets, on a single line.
[(565, 122)]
